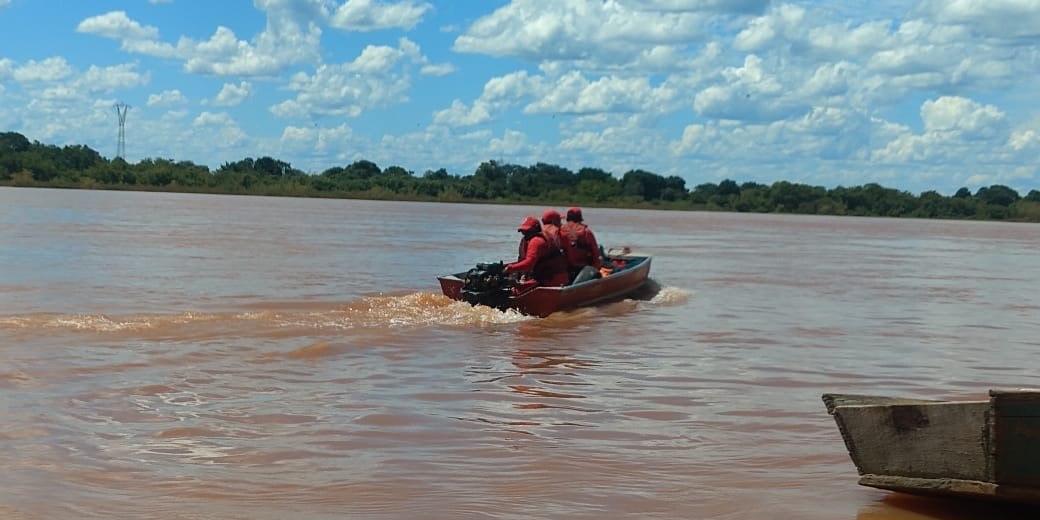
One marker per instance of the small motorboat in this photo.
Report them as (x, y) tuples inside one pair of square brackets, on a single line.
[(978, 449), (487, 285)]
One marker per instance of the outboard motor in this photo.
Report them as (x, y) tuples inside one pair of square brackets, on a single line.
[(488, 284)]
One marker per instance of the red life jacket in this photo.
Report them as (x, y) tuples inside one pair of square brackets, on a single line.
[(551, 269), (551, 234), (576, 244)]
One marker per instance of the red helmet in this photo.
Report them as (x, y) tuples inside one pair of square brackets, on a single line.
[(529, 224), (551, 216), (574, 215)]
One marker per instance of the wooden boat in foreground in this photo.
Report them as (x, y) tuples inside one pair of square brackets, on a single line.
[(979, 449), (543, 301)]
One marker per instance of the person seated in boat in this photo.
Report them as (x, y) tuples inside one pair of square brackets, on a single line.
[(579, 243), (551, 222), (541, 256)]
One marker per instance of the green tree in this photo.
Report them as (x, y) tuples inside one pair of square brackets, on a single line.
[(644, 184), (997, 194)]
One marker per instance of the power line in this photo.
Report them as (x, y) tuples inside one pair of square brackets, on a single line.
[(121, 110)]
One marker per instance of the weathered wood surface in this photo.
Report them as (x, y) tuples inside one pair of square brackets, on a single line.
[(930, 486), (948, 487), (982, 449), (835, 400), (932, 440)]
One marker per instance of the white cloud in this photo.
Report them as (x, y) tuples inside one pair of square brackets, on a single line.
[(166, 98), (511, 143), (371, 15), (961, 116), (281, 44), (379, 76), (54, 78), (116, 77), (175, 115), (220, 127), (782, 21), (291, 36), (721, 6), (499, 92), (213, 119), (438, 69), (885, 59), (458, 114), (6, 68), (574, 94), (156, 2), (829, 79), (512, 86), (749, 93), (51, 69), (60, 93), (822, 133), (617, 138), (317, 140), (993, 18), (232, 95), (954, 128), (118, 26), (4, 3), (608, 32), (1024, 139), (1023, 176)]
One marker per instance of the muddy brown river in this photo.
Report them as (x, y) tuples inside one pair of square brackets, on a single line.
[(217, 357)]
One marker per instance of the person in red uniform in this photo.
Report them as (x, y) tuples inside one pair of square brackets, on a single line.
[(580, 245), (551, 227), (539, 257)]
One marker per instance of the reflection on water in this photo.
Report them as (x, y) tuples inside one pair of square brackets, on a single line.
[(184, 357), (904, 507)]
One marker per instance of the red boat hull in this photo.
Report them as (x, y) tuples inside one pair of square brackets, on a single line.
[(543, 301)]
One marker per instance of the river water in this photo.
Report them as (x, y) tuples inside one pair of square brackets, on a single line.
[(195, 356)]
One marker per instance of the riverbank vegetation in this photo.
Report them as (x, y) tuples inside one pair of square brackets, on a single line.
[(33, 164)]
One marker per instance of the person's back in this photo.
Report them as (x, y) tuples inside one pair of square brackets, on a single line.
[(550, 230), (539, 257), (579, 243)]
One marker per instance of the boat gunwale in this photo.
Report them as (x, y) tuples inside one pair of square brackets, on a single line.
[(644, 261)]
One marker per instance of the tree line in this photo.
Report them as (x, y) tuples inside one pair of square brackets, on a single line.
[(31, 163)]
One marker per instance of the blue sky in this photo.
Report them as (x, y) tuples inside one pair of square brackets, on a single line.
[(933, 94)]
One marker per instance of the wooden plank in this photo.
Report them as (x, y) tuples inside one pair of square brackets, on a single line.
[(925, 440), (953, 487), (930, 486), (835, 400)]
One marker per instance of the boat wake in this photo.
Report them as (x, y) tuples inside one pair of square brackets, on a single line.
[(654, 293), (300, 318), (671, 296), (273, 319)]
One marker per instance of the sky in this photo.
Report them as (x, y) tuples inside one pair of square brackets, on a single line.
[(917, 95)]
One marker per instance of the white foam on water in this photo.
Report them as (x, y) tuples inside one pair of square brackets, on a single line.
[(409, 310), (671, 296), (99, 323)]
